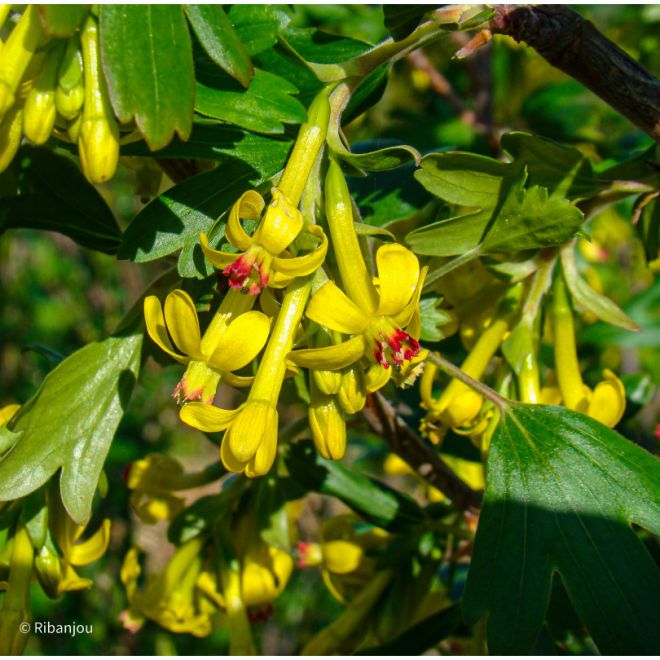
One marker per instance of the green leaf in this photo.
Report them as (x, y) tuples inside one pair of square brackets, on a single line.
[(530, 218), (422, 636), (401, 20), (61, 20), (451, 236), (463, 179), (589, 300), (70, 423), (218, 142), (265, 106), (379, 160), (561, 495), (52, 194), (434, 319), (549, 162), (258, 26), (148, 64), (373, 500), (220, 41), (174, 220)]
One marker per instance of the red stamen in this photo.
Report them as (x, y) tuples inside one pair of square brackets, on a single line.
[(395, 348), (247, 274)]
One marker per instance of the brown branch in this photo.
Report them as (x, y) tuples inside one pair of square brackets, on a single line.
[(404, 442), (573, 45)]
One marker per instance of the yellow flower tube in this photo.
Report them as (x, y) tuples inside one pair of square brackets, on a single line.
[(15, 55), (14, 611), (607, 402), (250, 442), (98, 140)]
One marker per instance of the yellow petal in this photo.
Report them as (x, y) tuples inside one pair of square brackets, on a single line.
[(228, 459), (255, 425), (281, 224), (341, 557), (377, 377), (304, 265), (257, 585), (182, 322), (237, 381), (240, 343), (398, 276), (92, 548), (326, 421), (331, 357), (218, 258), (332, 308), (248, 207), (155, 322), (263, 459), (608, 401), (352, 392), (206, 417), (404, 317)]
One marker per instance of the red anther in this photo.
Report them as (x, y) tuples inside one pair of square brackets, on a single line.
[(395, 348), (181, 394), (379, 354), (247, 274), (303, 550)]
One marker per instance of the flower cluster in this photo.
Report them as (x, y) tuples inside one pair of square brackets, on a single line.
[(351, 330), (56, 85)]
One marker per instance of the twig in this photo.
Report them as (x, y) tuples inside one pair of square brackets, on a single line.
[(573, 45), (404, 442)]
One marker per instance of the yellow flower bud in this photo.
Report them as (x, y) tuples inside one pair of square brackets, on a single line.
[(98, 141), (11, 131), (328, 382), (608, 401), (39, 112), (353, 392), (16, 54), (326, 421), (70, 93)]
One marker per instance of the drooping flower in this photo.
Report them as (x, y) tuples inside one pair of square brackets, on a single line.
[(233, 339), (264, 258), (385, 332), (607, 402)]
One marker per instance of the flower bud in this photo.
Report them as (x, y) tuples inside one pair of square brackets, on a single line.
[(11, 131), (326, 421), (98, 141), (39, 113), (328, 382), (352, 393)]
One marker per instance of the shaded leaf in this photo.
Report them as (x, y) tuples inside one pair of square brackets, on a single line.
[(451, 236), (61, 20), (148, 64), (174, 220), (401, 20), (420, 637), (561, 495), (548, 163), (434, 319), (52, 194), (376, 502), (220, 41), (70, 423)]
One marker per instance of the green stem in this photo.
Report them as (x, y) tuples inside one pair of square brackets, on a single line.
[(453, 264)]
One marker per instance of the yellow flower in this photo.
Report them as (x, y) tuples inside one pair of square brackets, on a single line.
[(263, 258), (458, 406), (339, 557), (232, 340), (171, 597), (266, 572), (607, 402), (250, 442), (378, 330), (327, 423)]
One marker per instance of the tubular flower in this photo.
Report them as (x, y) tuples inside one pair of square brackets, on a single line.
[(263, 259), (250, 441), (378, 332), (327, 423), (233, 339), (459, 406), (607, 402), (172, 597)]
